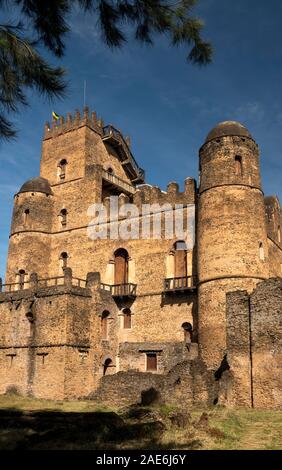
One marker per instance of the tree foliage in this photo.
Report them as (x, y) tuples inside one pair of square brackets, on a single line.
[(45, 23)]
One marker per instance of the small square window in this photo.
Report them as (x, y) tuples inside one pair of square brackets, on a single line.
[(152, 362)]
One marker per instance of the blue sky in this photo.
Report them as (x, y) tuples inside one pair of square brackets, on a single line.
[(166, 105)]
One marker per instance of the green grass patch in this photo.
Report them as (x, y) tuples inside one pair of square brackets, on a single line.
[(29, 423)]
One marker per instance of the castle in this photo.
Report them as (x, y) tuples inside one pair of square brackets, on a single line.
[(187, 321)]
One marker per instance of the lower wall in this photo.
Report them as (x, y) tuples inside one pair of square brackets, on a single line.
[(186, 384), (254, 339), (33, 371)]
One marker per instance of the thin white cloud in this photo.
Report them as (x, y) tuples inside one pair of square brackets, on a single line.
[(250, 112), (8, 188)]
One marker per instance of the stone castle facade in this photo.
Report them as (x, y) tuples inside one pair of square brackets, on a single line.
[(111, 319)]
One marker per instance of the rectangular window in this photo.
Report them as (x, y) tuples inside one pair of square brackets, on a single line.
[(152, 363)]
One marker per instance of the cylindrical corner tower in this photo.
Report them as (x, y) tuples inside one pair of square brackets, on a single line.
[(29, 246), (232, 237)]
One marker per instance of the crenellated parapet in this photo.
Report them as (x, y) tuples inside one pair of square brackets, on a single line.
[(147, 194), (72, 122)]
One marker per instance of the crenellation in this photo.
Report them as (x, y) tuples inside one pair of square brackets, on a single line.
[(71, 123), (69, 119), (77, 117)]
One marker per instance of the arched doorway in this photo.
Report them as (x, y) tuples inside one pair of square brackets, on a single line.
[(180, 263), (104, 324), (127, 318), (121, 266), (108, 363), (188, 330), (21, 278)]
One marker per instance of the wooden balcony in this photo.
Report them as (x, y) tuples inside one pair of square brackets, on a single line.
[(180, 284), (120, 290), (114, 138), (115, 183)]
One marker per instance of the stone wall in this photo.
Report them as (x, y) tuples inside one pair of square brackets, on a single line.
[(255, 346), (273, 216), (132, 356), (186, 384), (42, 333)]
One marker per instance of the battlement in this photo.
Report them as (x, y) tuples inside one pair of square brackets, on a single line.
[(72, 122), (147, 194)]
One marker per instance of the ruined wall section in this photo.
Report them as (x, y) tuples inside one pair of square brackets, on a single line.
[(43, 335), (266, 337), (273, 215), (238, 387), (254, 340)]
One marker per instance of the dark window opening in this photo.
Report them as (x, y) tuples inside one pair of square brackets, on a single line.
[(64, 260), (238, 166), (62, 169), (104, 325), (21, 278), (107, 364), (63, 215), (188, 330), (26, 216), (126, 318)]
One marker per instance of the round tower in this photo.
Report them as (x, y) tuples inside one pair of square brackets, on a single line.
[(29, 246), (232, 238)]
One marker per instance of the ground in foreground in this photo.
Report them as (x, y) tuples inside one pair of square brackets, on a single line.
[(28, 423)]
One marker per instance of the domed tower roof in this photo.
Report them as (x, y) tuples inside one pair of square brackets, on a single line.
[(36, 185), (231, 128)]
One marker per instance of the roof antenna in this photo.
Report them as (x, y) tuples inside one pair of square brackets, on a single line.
[(84, 94)]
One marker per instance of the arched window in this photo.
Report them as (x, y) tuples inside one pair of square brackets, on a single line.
[(238, 166), (104, 324), (26, 216), (21, 278), (64, 260), (63, 217), (279, 234), (261, 251), (62, 169), (187, 328), (180, 259), (108, 363), (121, 266), (127, 318)]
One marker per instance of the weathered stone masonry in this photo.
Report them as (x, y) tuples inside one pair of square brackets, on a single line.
[(199, 323)]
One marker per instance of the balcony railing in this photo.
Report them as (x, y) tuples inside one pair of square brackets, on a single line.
[(114, 137), (13, 286), (120, 290), (116, 181), (176, 284), (37, 283)]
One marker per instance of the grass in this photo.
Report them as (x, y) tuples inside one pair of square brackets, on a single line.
[(44, 424)]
